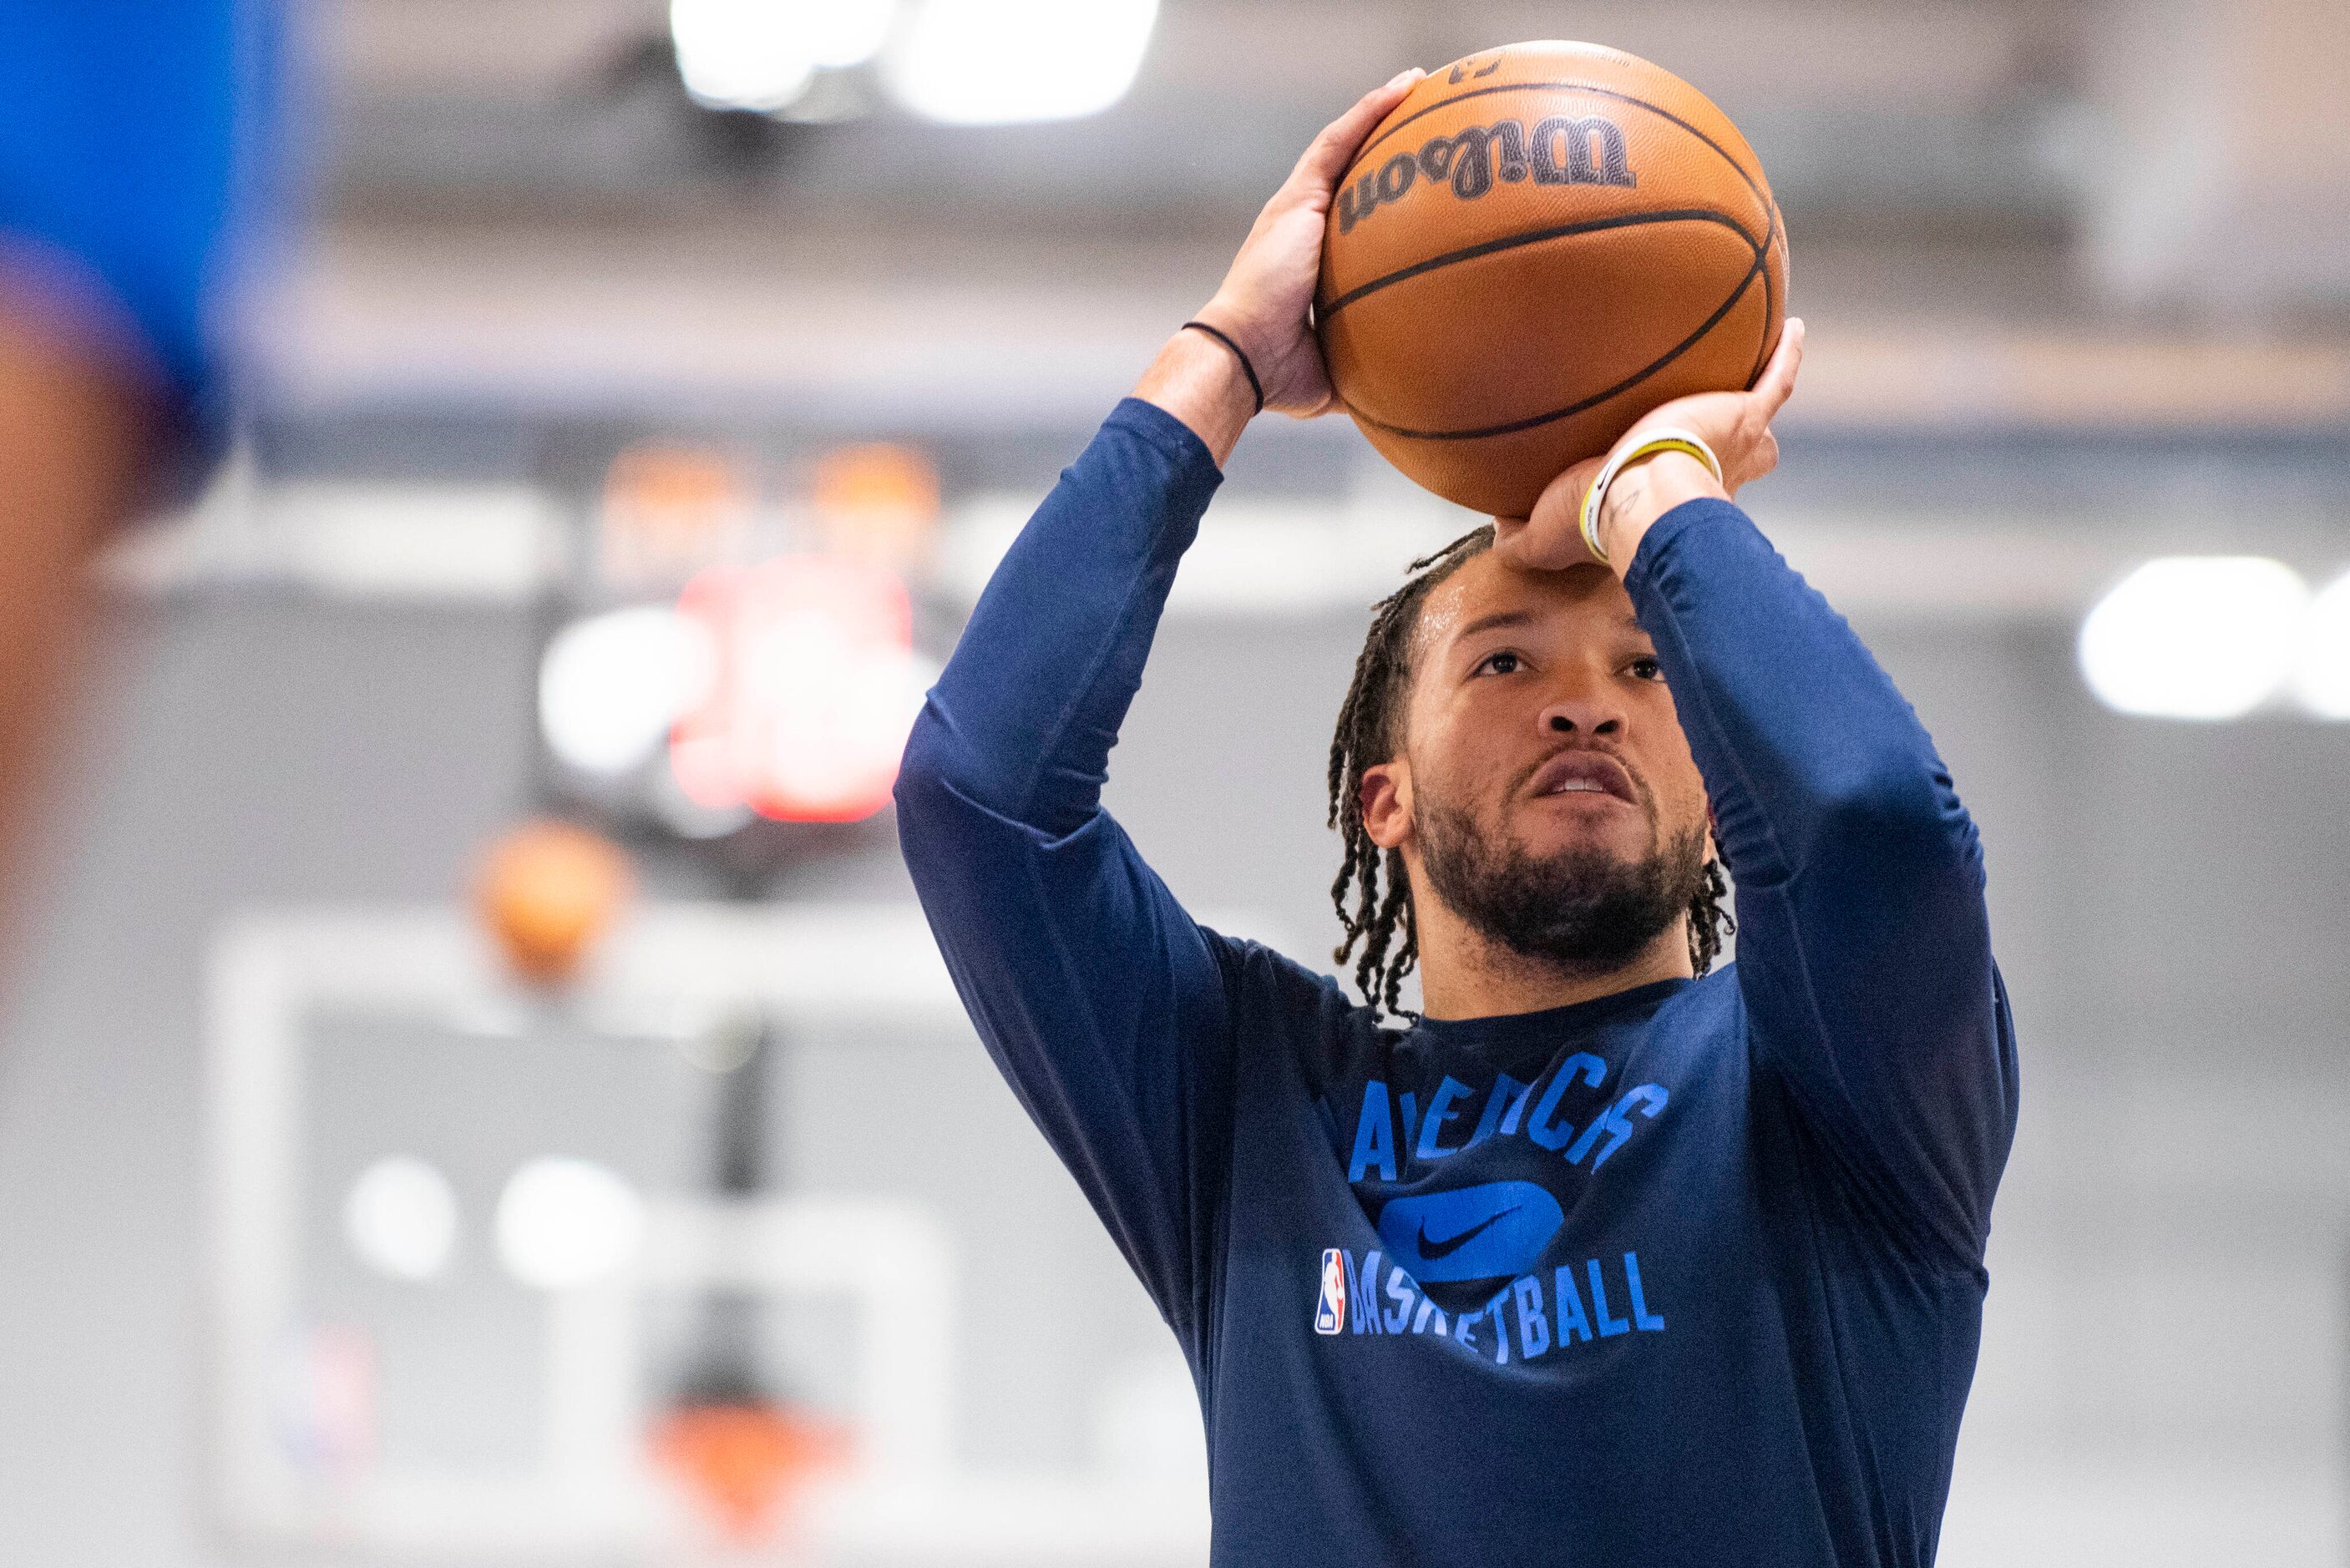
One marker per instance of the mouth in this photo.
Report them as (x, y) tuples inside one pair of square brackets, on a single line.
[(1584, 773)]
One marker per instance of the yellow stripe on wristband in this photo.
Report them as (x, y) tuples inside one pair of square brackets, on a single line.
[(1655, 442)]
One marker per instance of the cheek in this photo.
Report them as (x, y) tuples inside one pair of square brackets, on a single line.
[(1680, 788), (1455, 757)]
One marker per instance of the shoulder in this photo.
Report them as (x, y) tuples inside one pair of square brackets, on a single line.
[(1699, 1034), (1713, 999), (1271, 980), (1278, 1002)]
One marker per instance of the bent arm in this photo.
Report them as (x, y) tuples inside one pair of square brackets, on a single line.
[(1098, 996), (1864, 949), (1100, 999)]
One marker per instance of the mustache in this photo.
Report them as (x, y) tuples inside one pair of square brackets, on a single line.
[(1525, 780)]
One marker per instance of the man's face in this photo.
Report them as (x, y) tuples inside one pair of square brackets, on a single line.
[(1543, 787)]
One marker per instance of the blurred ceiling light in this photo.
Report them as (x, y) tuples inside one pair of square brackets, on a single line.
[(745, 54), (2323, 682), (401, 1219), (996, 62), (610, 686), (2195, 637), (563, 1223)]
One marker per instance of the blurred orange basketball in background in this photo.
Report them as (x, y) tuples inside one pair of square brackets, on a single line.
[(1538, 245), (547, 891)]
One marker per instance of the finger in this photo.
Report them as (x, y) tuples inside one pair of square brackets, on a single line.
[(1778, 380), (1326, 156)]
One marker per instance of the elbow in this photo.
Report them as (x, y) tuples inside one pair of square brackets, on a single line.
[(942, 774), (928, 767), (1899, 813)]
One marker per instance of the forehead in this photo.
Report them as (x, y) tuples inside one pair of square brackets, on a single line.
[(1488, 592)]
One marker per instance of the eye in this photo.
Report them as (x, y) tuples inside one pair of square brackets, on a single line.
[(1504, 662), (1646, 668)]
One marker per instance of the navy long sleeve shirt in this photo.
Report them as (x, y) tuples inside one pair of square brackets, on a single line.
[(1689, 1274)]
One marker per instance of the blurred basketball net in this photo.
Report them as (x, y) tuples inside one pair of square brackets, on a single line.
[(747, 1464)]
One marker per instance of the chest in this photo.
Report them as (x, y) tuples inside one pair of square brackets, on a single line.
[(1514, 1205)]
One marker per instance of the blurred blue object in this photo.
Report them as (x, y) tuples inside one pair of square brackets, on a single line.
[(133, 139)]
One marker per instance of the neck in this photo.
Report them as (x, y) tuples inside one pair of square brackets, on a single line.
[(1464, 973)]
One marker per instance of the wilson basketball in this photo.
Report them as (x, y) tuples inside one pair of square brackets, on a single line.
[(1537, 246)]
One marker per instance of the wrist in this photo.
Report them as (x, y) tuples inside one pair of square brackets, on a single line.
[(1644, 491), (1199, 381), (1240, 357), (1237, 324)]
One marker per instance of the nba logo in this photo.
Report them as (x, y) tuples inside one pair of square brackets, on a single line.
[(1330, 1311)]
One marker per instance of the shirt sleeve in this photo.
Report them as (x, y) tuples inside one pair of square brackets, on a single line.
[(131, 133), (1864, 946), (1101, 1000)]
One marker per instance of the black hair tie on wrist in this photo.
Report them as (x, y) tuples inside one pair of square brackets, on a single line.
[(1239, 353)]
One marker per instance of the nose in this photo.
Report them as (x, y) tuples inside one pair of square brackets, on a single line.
[(1585, 713)]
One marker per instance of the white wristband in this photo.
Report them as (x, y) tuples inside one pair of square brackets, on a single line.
[(1665, 439)]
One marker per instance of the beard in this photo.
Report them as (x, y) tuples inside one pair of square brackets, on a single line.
[(1581, 909)]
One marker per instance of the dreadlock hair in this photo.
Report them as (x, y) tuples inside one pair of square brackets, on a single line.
[(1370, 732)]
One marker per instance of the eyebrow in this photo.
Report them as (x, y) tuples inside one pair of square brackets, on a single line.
[(1498, 618), (1490, 622)]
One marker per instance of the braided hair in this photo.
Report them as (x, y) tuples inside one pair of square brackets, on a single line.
[(1380, 933)]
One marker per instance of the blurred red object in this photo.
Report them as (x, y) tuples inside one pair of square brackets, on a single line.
[(814, 690)]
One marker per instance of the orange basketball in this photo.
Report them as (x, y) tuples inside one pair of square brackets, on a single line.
[(1538, 245), (547, 891)]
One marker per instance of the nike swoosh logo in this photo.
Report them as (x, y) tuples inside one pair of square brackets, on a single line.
[(1433, 1250)]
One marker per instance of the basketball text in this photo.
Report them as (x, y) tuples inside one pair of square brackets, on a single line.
[(1563, 150)]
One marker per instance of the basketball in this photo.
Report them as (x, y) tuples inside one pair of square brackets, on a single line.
[(1538, 245), (547, 891)]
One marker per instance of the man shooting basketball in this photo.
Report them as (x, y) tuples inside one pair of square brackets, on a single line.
[(1606, 1258)]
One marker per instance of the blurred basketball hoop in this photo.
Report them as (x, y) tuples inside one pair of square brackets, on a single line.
[(547, 891), (876, 502), (510, 1417), (815, 685), (671, 510)]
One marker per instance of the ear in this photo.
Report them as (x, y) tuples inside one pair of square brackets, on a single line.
[(1386, 800)]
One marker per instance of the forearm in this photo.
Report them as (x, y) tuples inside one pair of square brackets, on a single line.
[(1030, 704), (1864, 943), (1798, 731), (1198, 381), (79, 433)]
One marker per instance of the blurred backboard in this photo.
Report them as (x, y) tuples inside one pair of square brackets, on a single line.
[(494, 1402)]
